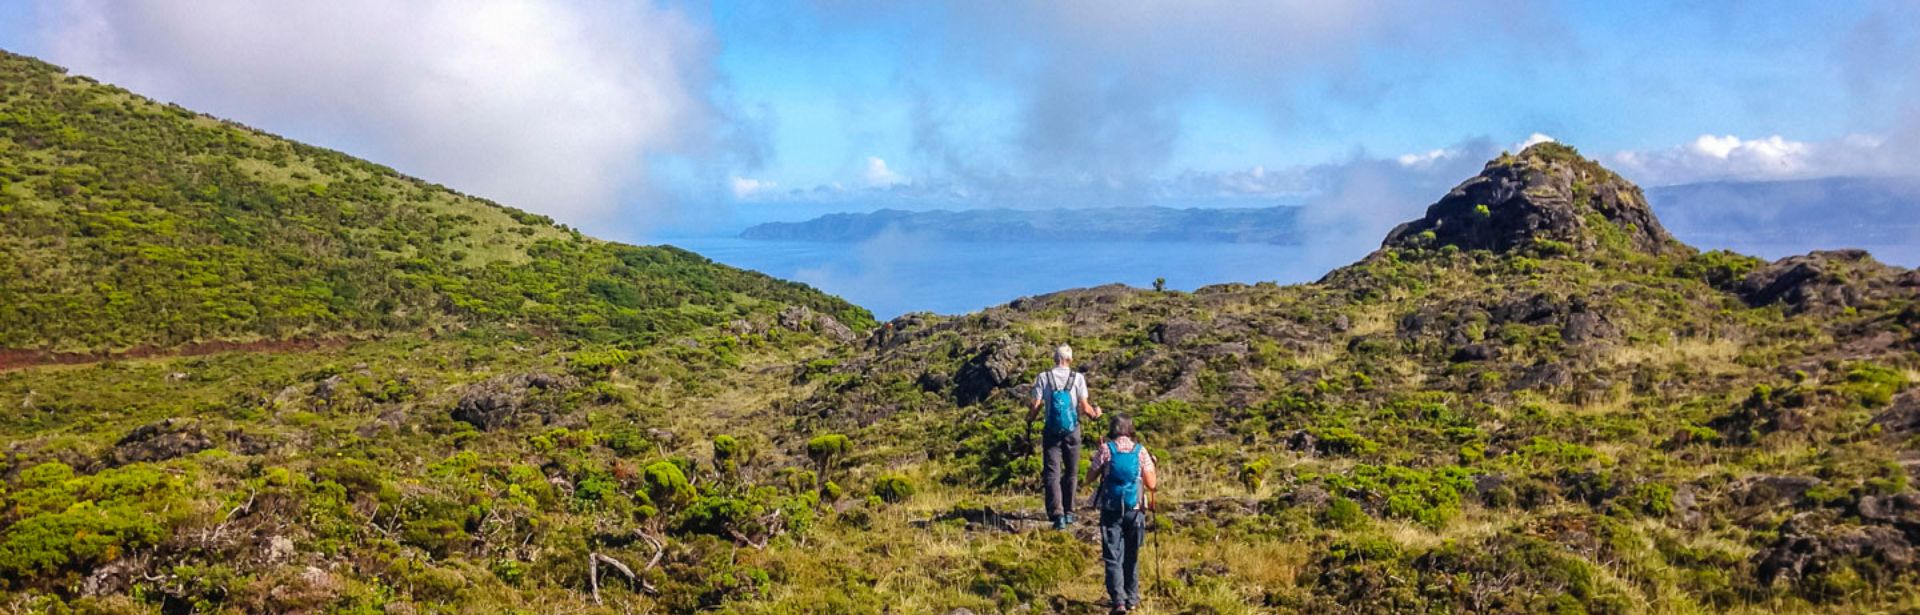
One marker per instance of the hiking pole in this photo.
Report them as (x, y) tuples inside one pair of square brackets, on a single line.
[(1153, 541)]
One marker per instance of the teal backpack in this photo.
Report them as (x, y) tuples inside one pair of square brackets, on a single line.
[(1062, 416), (1120, 488)]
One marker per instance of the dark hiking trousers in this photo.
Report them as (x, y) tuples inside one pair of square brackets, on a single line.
[(1120, 537), (1059, 470)]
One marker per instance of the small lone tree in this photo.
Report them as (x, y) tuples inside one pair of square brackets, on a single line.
[(729, 453), (667, 488), (1253, 474), (893, 488), (824, 449), (1160, 285)]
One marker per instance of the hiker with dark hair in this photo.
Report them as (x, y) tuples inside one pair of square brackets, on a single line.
[(1062, 392), (1127, 483)]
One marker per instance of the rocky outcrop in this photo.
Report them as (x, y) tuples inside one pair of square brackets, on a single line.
[(800, 318), (996, 365), (1547, 192), (159, 441), (500, 401), (1827, 281), (1901, 419), (1808, 547)]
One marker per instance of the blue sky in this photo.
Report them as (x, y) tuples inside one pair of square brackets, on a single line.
[(630, 118)]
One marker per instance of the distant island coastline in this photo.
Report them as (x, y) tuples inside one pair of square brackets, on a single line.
[(1262, 225)]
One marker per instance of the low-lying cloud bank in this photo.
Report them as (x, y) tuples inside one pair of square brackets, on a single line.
[(565, 108)]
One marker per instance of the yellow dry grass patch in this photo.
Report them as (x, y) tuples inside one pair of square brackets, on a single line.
[(1716, 354)]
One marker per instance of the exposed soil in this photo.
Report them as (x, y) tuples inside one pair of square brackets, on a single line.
[(11, 359)]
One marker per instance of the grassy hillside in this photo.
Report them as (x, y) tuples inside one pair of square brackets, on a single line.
[(1532, 399), (126, 223)]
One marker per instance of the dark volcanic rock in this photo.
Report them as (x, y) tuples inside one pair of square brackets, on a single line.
[(1824, 281), (993, 367), (1475, 352), (1582, 326), (1902, 417), (1544, 376), (1802, 550), (1901, 509), (159, 441), (1174, 332), (499, 401), (1546, 192), (1763, 491)]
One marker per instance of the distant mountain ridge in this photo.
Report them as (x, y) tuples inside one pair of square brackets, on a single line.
[(1269, 225), (1830, 210)]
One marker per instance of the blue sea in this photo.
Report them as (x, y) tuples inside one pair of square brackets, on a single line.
[(900, 274), (893, 276)]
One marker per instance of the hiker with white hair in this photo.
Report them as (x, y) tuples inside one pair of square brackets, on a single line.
[(1062, 392)]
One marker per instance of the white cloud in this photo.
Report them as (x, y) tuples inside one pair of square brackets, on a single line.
[(1532, 140), (746, 187), (1423, 158), (1729, 157), (553, 106), (878, 175), (1100, 91)]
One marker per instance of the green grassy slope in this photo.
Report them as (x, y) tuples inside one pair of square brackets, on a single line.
[(127, 223)]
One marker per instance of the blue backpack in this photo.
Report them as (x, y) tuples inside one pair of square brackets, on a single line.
[(1120, 488), (1062, 416)]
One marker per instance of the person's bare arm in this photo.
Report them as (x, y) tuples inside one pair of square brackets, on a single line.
[(1151, 478), (1033, 410), (1087, 408), (1094, 469)]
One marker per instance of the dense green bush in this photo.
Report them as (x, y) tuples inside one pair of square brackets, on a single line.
[(59, 524), (893, 488), (1873, 385), (1429, 497), (996, 453)]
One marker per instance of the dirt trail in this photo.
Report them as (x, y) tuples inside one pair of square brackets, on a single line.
[(11, 359)]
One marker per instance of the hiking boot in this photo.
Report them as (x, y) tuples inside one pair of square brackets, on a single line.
[(1059, 523), (1066, 520)]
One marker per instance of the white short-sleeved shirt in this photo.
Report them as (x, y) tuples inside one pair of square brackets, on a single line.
[(1059, 376)]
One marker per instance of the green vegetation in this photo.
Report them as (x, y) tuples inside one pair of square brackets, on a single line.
[(132, 224), (1584, 419)]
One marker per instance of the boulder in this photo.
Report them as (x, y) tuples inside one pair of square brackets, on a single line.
[(1900, 509), (994, 366), (1825, 281), (1902, 417), (1804, 549), (1174, 332), (1769, 491), (159, 441), (1475, 352), (800, 318), (497, 402)]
